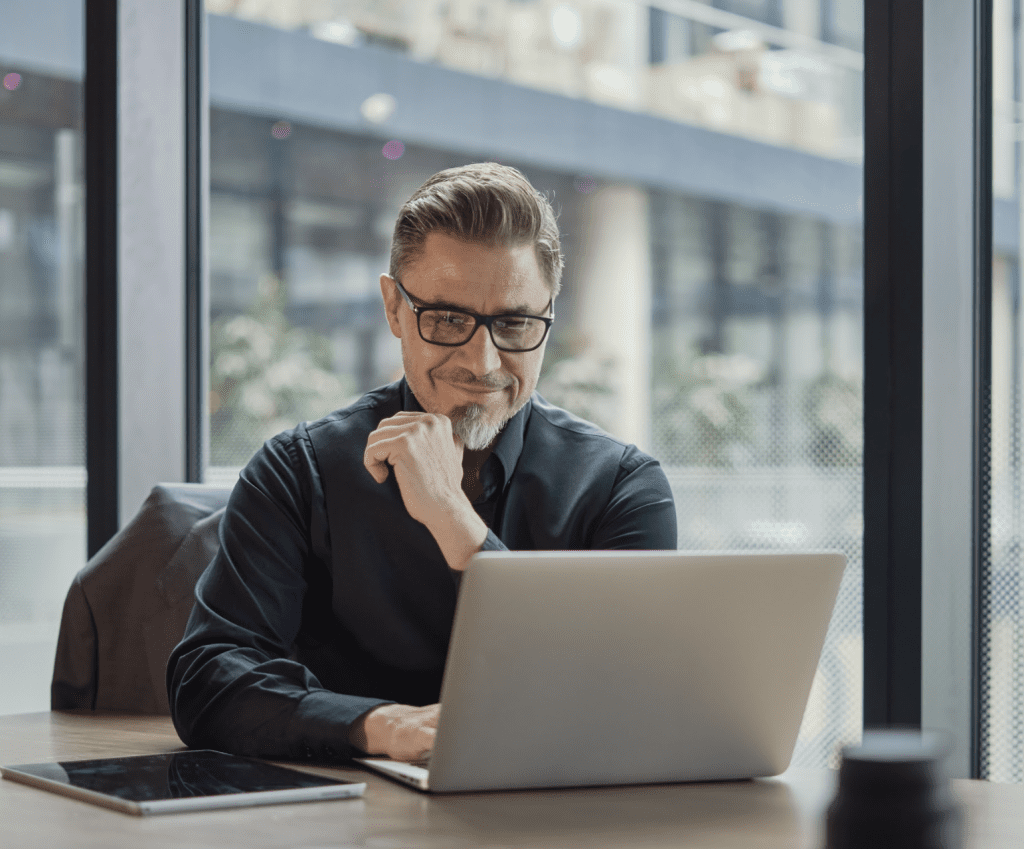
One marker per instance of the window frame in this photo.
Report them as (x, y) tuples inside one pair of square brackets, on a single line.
[(918, 667), (928, 228)]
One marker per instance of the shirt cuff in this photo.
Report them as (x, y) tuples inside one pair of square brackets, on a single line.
[(492, 543), (320, 724)]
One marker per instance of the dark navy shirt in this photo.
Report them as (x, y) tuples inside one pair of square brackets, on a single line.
[(327, 599)]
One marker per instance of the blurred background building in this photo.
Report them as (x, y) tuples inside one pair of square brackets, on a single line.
[(704, 158)]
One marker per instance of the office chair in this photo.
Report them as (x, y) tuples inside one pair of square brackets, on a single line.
[(127, 609)]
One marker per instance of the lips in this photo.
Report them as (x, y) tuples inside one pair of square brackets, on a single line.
[(476, 387), (479, 390)]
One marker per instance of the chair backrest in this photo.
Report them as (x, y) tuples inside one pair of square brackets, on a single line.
[(127, 609)]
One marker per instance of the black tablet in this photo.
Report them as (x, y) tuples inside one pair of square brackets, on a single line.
[(180, 781)]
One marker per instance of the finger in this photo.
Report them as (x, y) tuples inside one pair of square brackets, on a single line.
[(378, 471), (413, 744), (376, 463), (386, 447), (426, 743), (386, 432), (407, 417), (404, 417), (382, 448), (390, 429)]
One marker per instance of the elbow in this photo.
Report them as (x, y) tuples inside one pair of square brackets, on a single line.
[(184, 699)]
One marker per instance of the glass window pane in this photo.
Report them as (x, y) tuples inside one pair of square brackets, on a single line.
[(42, 474), (1002, 684), (705, 162)]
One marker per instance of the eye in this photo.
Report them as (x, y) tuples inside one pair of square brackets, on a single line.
[(512, 323), (452, 319)]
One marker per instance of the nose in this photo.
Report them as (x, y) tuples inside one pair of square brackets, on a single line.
[(480, 355)]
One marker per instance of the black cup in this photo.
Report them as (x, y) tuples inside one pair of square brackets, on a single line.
[(893, 795)]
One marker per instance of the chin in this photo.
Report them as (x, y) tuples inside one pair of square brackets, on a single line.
[(477, 430)]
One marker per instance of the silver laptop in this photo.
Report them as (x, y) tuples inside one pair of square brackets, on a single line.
[(570, 669)]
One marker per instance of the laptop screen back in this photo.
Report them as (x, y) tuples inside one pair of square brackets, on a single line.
[(582, 668)]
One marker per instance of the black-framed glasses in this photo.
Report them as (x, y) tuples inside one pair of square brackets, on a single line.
[(451, 327)]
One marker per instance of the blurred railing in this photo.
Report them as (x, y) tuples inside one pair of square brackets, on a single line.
[(42, 477), (737, 75), (42, 546)]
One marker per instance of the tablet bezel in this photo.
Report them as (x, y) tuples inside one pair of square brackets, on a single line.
[(323, 787)]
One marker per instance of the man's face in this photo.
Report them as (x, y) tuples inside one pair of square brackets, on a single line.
[(473, 383)]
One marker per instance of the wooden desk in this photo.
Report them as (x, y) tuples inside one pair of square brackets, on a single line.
[(784, 812)]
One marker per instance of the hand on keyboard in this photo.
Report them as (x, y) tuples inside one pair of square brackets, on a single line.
[(401, 732)]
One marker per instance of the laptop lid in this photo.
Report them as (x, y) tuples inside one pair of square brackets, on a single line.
[(588, 668)]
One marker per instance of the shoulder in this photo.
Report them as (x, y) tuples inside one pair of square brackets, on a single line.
[(561, 424), (300, 446), (558, 430), (362, 415)]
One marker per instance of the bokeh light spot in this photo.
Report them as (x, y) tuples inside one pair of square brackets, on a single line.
[(377, 108), (566, 25), (12, 81), (281, 130), (393, 149)]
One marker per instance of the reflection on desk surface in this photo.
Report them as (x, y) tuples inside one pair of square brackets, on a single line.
[(646, 813), (766, 813)]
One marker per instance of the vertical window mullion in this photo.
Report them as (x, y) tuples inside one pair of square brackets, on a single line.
[(982, 421), (195, 289), (102, 397), (892, 365)]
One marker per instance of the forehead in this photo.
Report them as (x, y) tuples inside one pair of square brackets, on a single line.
[(479, 276)]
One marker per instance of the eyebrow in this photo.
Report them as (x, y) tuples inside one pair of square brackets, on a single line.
[(519, 309)]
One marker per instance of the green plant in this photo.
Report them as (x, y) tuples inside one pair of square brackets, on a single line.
[(702, 409), (266, 375), (834, 409)]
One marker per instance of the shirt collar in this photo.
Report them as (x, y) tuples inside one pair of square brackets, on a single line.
[(507, 446)]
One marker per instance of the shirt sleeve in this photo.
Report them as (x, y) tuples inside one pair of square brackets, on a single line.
[(231, 683), (492, 543), (640, 513)]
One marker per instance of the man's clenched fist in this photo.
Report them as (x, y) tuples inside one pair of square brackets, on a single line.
[(400, 732), (426, 457)]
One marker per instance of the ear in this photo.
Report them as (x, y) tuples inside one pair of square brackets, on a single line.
[(392, 301)]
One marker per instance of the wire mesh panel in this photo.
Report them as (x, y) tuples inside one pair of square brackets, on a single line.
[(1002, 633), (758, 409), (1001, 683)]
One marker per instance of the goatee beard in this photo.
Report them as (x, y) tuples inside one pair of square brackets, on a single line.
[(469, 424)]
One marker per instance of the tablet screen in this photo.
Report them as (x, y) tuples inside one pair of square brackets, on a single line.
[(175, 776)]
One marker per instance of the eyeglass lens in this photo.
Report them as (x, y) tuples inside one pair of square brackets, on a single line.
[(510, 333)]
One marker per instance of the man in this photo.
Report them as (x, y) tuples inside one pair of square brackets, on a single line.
[(322, 624)]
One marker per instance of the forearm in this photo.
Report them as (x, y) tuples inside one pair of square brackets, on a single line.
[(231, 701), (459, 532)]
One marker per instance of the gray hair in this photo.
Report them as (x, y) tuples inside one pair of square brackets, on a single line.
[(487, 203)]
